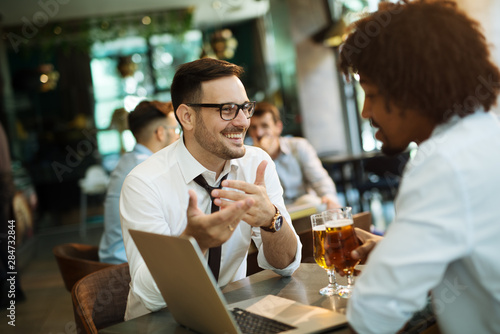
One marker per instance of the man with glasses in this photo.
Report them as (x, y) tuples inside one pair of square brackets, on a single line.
[(177, 191), (154, 127)]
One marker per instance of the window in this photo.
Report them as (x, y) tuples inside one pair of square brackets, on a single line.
[(128, 70)]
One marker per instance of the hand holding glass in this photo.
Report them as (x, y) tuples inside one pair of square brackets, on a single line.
[(340, 240)]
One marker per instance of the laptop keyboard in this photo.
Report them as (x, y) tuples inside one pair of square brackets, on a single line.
[(251, 323)]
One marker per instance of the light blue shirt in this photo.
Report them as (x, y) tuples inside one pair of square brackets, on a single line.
[(111, 247), (300, 170), (445, 237)]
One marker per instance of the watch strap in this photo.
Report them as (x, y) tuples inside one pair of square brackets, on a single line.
[(272, 227)]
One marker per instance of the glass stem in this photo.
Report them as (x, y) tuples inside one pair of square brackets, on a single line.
[(350, 279), (331, 278)]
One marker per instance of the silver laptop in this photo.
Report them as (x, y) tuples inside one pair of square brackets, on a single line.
[(196, 302)]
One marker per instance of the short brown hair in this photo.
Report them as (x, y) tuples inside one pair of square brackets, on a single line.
[(425, 55), (186, 85), (263, 108), (144, 114)]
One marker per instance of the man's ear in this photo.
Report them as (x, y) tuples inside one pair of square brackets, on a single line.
[(279, 126), (160, 133), (186, 117)]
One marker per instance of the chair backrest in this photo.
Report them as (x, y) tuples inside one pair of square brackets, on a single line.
[(362, 220), (100, 298), (76, 261), (96, 180)]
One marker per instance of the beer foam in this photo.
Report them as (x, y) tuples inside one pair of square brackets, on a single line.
[(319, 228), (338, 223)]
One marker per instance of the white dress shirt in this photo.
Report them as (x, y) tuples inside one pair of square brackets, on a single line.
[(445, 237), (155, 198)]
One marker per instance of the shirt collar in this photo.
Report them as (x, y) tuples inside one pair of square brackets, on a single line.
[(284, 146), (141, 149), (453, 120), (191, 168), (442, 128)]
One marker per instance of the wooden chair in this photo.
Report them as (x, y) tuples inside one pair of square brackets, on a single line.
[(363, 220), (100, 298), (76, 261)]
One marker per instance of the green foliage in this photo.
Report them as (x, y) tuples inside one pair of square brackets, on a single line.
[(82, 34)]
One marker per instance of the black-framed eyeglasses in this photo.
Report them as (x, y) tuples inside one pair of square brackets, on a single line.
[(177, 129), (229, 111)]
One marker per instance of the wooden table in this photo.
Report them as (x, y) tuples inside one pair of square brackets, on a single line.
[(303, 287)]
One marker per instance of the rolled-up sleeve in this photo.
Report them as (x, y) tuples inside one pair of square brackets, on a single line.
[(275, 193)]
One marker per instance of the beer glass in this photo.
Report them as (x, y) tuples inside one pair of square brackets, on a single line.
[(319, 234), (340, 240)]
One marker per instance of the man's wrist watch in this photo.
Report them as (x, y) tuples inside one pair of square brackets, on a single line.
[(276, 223)]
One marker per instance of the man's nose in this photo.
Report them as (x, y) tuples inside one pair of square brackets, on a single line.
[(258, 132), (241, 119)]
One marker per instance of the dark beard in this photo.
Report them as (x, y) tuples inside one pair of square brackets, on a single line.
[(210, 143), (391, 151)]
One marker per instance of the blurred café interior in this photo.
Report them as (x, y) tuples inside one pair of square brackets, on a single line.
[(71, 69)]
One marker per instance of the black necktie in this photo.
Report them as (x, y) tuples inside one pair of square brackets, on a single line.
[(214, 253)]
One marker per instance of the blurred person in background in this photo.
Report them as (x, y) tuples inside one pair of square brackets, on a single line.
[(302, 175), (7, 224), (154, 127)]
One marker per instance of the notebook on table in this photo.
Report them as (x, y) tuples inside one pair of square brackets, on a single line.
[(196, 302)]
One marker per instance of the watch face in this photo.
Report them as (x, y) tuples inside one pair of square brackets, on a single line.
[(278, 223)]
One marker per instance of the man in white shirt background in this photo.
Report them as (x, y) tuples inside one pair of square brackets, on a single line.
[(302, 175), (428, 77), (162, 195), (154, 126)]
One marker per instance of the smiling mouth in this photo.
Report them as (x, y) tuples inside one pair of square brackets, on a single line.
[(233, 135)]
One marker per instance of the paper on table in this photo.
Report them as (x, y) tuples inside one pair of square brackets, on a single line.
[(286, 310)]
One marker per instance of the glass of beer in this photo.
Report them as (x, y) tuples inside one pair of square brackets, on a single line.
[(319, 235), (340, 240)]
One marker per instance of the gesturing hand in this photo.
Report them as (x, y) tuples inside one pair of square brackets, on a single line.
[(262, 212), (214, 229), (331, 203)]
